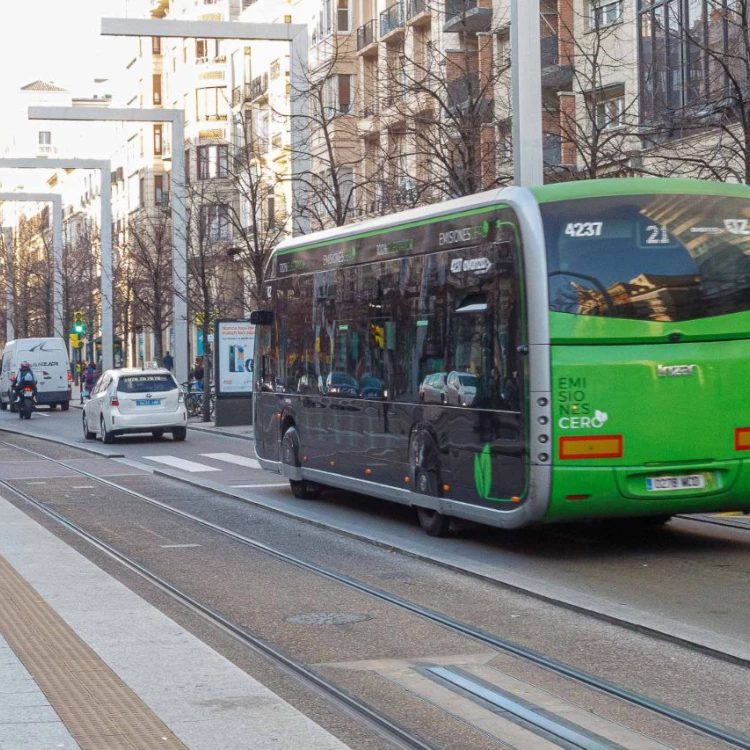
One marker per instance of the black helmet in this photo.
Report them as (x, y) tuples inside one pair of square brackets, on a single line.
[(25, 366)]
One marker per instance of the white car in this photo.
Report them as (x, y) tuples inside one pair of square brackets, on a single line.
[(135, 400)]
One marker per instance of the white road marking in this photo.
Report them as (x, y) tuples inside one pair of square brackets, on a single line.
[(254, 486), (84, 487), (178, 546), (232, 458), (181, 463)]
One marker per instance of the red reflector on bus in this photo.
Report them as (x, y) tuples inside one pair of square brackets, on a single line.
[(591, 446), (742, 439)]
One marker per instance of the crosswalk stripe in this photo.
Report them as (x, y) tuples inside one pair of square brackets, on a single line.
[(232, 458), (181, 463), (258, 486)]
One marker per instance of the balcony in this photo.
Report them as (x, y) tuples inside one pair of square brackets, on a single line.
[(46, 149), (392, 21), (161, 198), (554, 75), (467, 15), (258, 88), (247, 3), (467, 96), (417, 12), (367, 36)]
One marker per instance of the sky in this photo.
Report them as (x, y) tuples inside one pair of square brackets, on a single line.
[(57, 41)]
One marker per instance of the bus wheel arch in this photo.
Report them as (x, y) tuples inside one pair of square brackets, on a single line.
[(290, 456)]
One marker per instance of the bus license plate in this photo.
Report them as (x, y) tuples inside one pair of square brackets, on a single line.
[(148, 402), (682, 482)]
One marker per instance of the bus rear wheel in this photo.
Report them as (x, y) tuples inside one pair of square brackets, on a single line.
[(304, 490), (432, 521)]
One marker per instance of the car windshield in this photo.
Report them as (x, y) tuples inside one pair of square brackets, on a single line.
[(341, 378), (465, 379), (649, 257), (146, 383)]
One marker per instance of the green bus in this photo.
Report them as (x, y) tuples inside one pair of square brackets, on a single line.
[(519, 356)]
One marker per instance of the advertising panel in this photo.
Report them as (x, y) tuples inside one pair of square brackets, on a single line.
[(234, 344)]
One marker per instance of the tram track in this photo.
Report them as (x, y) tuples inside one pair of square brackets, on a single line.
[(396, 735)]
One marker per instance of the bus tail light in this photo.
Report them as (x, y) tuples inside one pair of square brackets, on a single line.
[(591, 446), (742, 439)]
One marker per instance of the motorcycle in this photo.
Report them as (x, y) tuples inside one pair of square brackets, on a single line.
[(25, 403)]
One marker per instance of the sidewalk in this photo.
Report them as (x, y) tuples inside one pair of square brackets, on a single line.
[(85, 662)]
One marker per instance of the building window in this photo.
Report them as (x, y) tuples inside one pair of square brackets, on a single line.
[(610, 113), (213, 161), (157, 88), (271, 212), (158, 143), (215, 221), (342, 15), (156, 45), (187, 166), (160, 196), (603, 13), (210, 104), (141, 191)]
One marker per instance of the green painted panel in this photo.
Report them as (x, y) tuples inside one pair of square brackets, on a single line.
[(565, 191), (567, 328)]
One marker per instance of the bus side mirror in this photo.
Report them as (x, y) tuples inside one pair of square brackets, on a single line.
[(261, 317)]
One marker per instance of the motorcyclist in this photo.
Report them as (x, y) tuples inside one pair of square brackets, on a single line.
[(24, 378)]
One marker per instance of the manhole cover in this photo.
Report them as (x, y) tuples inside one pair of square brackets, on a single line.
[(326, 618)]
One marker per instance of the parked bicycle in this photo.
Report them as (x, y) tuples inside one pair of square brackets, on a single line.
[(194, 400)]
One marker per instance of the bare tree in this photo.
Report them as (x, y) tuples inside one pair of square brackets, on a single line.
[(696, 113), (327, 192), (590, 93), (147, 266), (34, 276)]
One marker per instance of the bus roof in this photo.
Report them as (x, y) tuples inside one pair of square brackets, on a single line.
[(604, 188), (542, 194)]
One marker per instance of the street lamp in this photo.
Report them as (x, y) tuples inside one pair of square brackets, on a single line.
[(105, 168), (176, 117), (10, 331), (56, 201), (528, 155)]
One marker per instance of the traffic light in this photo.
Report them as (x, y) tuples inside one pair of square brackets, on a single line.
[(73, 340), (79, 327)]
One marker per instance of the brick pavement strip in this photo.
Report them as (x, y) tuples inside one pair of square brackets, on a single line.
[(96, 706)]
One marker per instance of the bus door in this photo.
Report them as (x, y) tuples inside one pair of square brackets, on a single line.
[(266, 423), (475, 325)]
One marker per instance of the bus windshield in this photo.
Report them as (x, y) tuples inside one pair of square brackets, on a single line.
[(649, 257)]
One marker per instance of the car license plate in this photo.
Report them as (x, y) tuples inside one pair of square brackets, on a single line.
[(678, 482), (148, 402)]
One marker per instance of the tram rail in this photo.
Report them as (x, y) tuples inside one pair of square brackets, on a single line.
[(398, 736)]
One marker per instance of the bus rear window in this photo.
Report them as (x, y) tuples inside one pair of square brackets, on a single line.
[(649, 257)]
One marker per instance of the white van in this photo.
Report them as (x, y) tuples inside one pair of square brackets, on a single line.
[(49, 362)]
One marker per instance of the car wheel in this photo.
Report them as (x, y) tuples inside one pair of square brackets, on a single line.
[(87, 434), (107, 437), (179, 434), (157, 433)]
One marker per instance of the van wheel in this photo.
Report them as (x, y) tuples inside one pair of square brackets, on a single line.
[(65, 405), (52, 407)]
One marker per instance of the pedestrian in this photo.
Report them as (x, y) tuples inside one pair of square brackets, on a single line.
[(198, 373), (168, 361), (88, 379)]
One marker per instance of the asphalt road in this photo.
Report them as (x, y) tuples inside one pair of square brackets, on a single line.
[(687, 580)]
